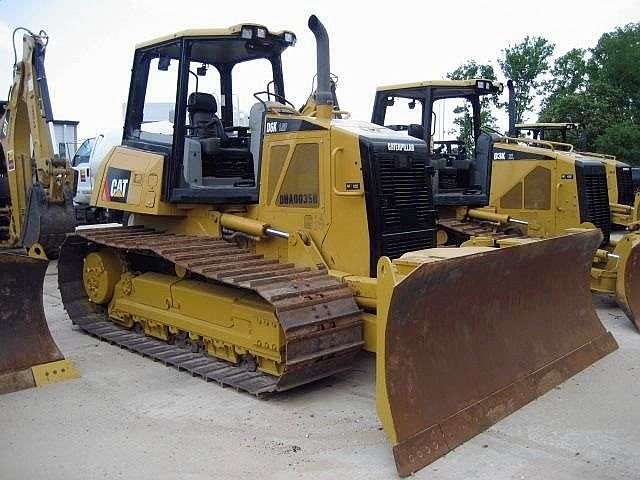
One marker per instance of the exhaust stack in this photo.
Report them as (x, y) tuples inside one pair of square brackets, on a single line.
[(323, 96), (511, 108)]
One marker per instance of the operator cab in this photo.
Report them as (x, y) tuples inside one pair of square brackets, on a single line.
[(447, 115), (556, 132), (199, 97)]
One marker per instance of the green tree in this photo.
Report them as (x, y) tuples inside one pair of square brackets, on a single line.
[(569, 73), (464, 113), (600, 89), (525, 63), (621, 140), (613, 70)]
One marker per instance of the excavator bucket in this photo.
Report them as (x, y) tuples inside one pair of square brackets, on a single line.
[(46, 223), (466, 341), (628, 276), (28, 355)]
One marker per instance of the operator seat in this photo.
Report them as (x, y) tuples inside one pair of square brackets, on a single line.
[(257, 119), (202, 108), (484, 157)]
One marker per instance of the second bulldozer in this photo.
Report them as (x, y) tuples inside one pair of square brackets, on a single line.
[(270, 255), (492, 188)]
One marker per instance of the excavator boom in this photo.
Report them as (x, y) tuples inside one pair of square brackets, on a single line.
[(40, 186), (36, 214)]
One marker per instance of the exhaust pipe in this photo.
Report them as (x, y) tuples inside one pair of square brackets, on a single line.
[(511, 108), (323, 96)]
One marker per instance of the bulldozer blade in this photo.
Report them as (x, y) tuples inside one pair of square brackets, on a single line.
[(628, 276), (466, 341), (28, 355), (46, 223)]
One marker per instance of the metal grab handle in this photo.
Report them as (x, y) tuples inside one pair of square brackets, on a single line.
[(340, 193), (558, 188)]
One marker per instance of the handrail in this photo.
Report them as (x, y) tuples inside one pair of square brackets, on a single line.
[(567, 147), (598, 155)]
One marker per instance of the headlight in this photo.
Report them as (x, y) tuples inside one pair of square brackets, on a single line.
[(247, 32), (290, 38), (262, 32)]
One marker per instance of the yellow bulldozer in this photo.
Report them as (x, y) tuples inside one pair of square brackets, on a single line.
[(624, 202), (269, 255), (36, 212), (492, 188)]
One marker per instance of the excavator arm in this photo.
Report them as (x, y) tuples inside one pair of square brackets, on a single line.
[(37, 214), (40, 185)]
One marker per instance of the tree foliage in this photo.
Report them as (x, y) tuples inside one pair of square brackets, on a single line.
[(600, 89), (464, 114), (525, 63)]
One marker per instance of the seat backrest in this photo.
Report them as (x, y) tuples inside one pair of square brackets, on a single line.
[(202, 108), (257, 116), (256, 124), (482, 173)]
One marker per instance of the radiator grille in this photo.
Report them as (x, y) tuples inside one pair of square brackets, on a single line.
[(625, 185), (400, 207), (594, 197), (404, 193)]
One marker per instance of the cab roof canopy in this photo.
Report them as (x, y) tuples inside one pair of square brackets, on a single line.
[(444, 88), (547, 126), (235, 44)]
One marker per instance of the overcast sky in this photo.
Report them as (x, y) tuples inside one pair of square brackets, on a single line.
[(372, 43)]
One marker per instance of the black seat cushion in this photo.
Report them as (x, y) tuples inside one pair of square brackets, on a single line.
[(202, 108)]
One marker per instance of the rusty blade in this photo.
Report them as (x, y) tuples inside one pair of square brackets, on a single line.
[(471, 339), (628, 281), (25, 339)]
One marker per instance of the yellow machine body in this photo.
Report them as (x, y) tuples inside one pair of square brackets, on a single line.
[(623, 202), (539, 187)]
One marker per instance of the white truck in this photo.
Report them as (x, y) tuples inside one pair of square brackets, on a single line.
[(86, 162)]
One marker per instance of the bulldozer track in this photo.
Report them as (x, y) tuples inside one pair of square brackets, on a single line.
[(318, 314), (197, 364)]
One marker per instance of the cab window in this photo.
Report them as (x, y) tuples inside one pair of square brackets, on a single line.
[(402, 112), (83, 153), (151, 114)]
